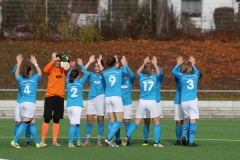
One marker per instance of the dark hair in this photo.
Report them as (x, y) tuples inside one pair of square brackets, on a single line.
[(25, 69), (74, 74), (148, 68), (111, 61), (186, 68), (102, 63), (59, 57)]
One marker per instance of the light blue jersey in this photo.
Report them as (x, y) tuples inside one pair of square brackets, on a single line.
[(148, 86), (97, 85), (177, 99), (188, 82), (19, 94), (159, 85), (126, 87), (75, 89), (28, 88), (113, 81)]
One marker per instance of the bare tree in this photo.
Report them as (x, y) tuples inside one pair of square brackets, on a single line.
[(161, 16)]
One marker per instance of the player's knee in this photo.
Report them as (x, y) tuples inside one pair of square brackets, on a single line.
[(47, 120), (56, 120)]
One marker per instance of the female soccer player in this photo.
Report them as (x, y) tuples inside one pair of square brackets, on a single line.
[(28, 83), (95, 101), (18, 117), (75, 101), (126, 87), (178, 112), (159, 104), (188, 77), (113, 93), (147, 101)]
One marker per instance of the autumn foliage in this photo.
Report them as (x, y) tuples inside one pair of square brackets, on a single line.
[(218, 62)]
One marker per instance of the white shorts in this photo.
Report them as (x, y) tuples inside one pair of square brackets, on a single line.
[(27, 109), (18, 116), (96, 106), (114, 104), (159, 105), (147, 105), (74, 114), (127, 112), (190, 109), (178, 112)]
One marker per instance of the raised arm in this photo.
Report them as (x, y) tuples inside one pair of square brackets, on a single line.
[(175, 70), (19, 59), (192, 60), (99, 59), (154, 62), (91, 59), (142, 66), (130, 72), (14, 69), (85, 73), (47, 68), (124, 62), (70, 71), (33, 60)]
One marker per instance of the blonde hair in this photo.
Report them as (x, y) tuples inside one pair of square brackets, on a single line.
[(186, 68), (148, 68)]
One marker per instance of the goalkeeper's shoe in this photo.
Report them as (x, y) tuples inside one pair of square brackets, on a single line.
[(15, 145), (56, 144), (124, 141), (40, 145), (145, 143), (192, 145)]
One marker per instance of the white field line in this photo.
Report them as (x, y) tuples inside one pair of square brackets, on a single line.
[(228, 140)]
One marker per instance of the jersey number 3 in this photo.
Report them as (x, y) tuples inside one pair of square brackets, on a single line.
[(190, 84)]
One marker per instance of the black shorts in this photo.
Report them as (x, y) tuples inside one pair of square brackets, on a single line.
[(53, 107)]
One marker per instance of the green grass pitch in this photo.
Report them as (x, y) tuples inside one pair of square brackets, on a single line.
[(219, 139)]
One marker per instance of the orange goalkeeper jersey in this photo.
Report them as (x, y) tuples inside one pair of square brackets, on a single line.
[(56, 80)]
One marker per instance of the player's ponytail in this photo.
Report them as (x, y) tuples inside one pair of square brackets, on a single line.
[(110, 62), (148, 69), (186, 68), (74, 74), (25, 70)]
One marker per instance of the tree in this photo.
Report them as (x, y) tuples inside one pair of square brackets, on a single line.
[(161, 16)]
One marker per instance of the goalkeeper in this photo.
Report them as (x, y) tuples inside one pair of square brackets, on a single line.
[(56, 70)]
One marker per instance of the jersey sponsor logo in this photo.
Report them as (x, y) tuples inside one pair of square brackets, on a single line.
[(59, 76), (96, 82), (124, 86)]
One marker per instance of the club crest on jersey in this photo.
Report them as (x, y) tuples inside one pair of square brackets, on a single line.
[(59, 76), (96, 82)]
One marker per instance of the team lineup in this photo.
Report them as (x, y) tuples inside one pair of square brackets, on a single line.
[(110, 92)]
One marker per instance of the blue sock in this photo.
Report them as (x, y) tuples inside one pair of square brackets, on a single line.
[(16, 128), (33, 130), (131, 129), (127, 125), (145, 132), (27, 134), (88, 131), (193, 128), (21, 129), (156, 133), (71, 133), (110, 126), (115, 126), (160, 132), (78, 132), (185, 128), (178, 130), (117, 134), (100, 131)]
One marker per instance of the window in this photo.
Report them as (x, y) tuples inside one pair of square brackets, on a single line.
[(191, 7), (85, 6)]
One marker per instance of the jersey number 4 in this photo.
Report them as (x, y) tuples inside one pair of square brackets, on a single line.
[(26, 89)]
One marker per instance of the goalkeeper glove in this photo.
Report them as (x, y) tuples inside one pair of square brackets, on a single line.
[(65, 65), (65, 58)]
